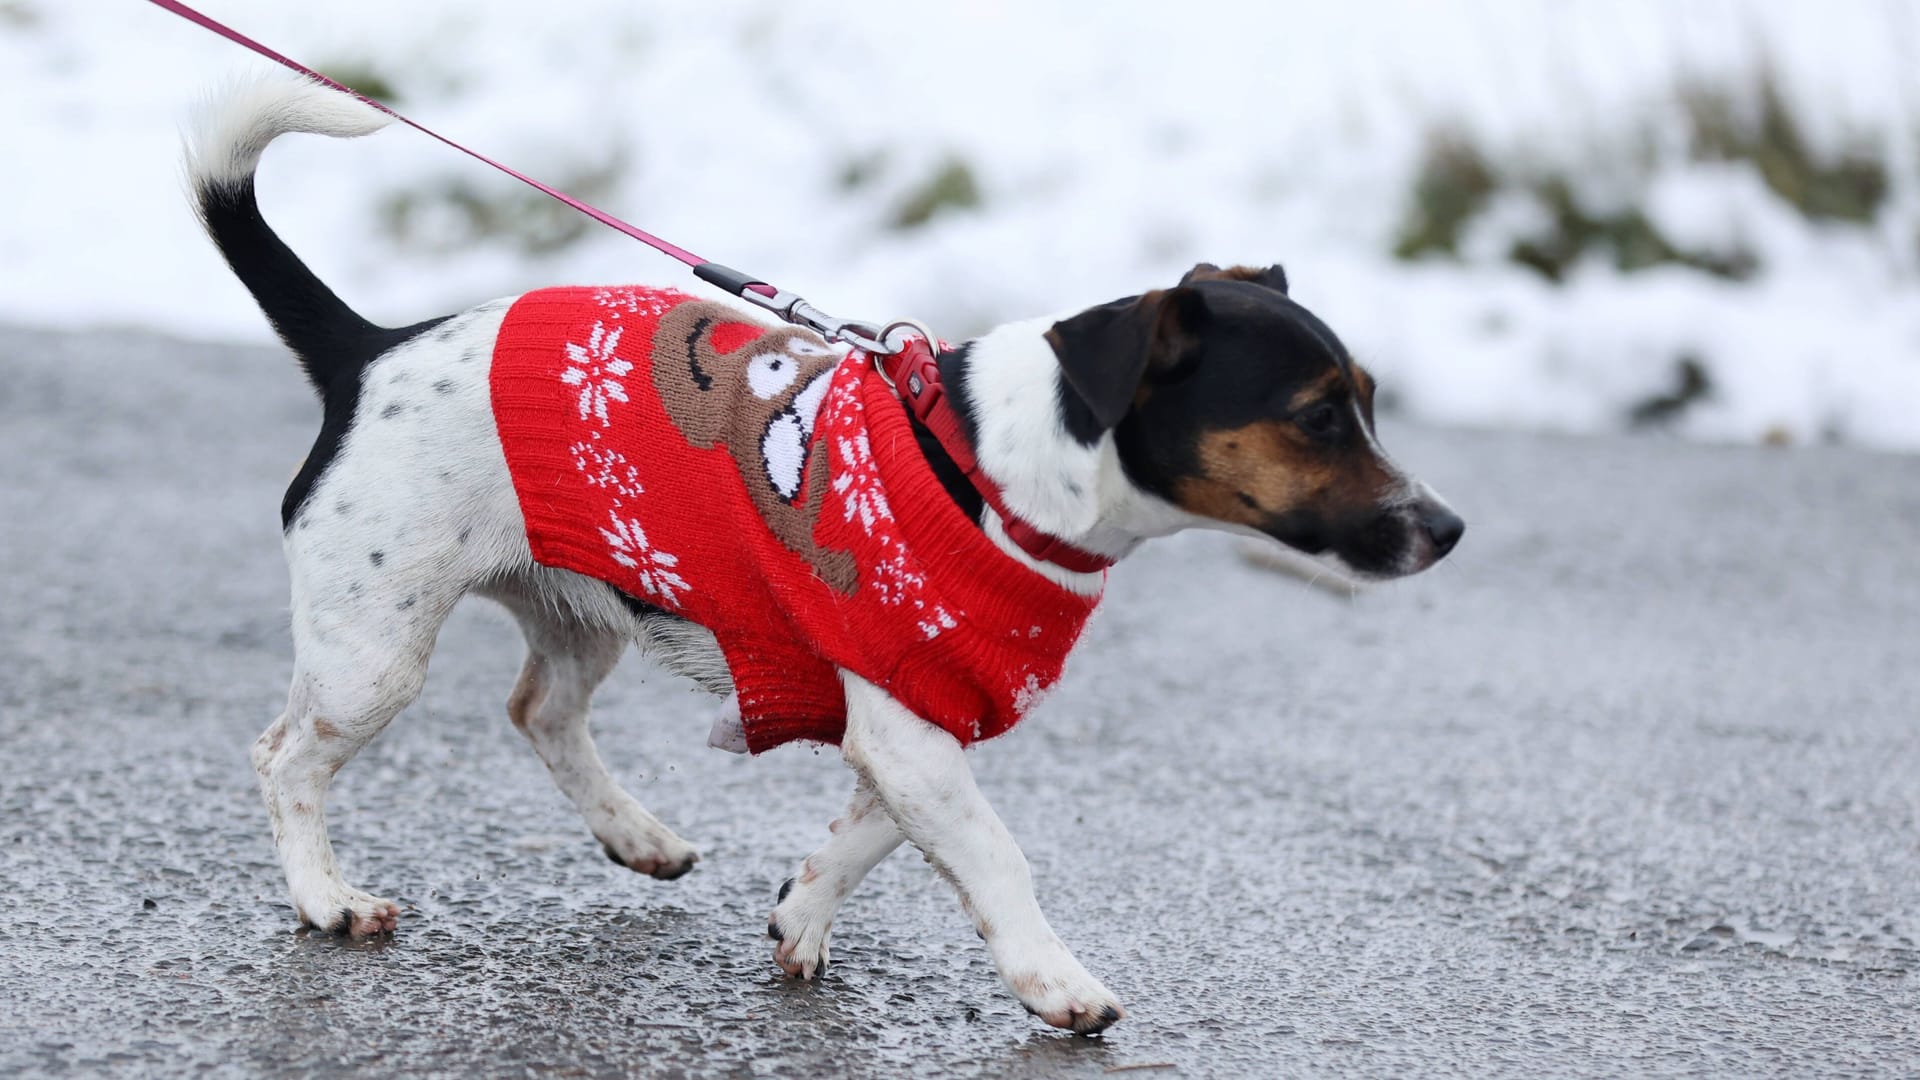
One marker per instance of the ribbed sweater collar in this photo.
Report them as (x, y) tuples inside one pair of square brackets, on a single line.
[(993, 588)]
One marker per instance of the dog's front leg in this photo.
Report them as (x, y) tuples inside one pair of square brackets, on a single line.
[(921, 776), (862, 836)]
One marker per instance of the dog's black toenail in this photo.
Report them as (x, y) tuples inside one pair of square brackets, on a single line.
[(342, 923), (785, 888), (669, 875), (773, 931), (1031, 1011), (1109, 1015), (613, 856)]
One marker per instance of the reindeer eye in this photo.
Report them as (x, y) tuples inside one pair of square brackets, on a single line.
[(1319, 420), (770, 373)]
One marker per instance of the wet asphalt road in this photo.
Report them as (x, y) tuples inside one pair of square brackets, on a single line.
[(1627, 787)]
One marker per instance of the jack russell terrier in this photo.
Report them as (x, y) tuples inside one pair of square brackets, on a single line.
[(761, 512)]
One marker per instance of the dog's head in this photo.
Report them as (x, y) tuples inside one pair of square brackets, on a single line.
[(1232, 402)]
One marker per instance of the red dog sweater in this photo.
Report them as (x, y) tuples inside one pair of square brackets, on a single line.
[(751, 480)]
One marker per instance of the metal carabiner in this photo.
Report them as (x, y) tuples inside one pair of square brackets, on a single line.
[(792, 308), (864, 336)]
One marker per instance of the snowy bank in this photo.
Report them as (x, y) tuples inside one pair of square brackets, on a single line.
[(969, 163)]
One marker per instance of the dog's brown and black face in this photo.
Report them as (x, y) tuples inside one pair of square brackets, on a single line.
[(1231, 401)]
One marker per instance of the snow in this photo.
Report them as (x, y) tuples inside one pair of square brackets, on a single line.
[(1114, 146)]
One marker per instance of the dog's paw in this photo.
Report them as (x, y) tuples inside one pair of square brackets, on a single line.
[(665, 857), (353, 914), (1061, 992), (799, 929), (638, 841), (804, 956)]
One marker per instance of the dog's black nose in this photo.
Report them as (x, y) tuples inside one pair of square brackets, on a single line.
[(1443, 526)]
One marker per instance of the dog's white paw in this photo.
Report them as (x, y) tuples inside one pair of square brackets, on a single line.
[(637, 840), (1053, 986), (350, 912), (799, 926), (655, 853)]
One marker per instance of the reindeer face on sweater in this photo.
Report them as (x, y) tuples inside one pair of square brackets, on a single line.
[(728, 382)]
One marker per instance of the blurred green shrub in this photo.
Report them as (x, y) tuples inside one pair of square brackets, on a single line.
[(1749, 122), (860, 171), (1450, 189), (1624, 235), (18, 15), (952, 186), (459, 213), (359, 76), (1768, 135)]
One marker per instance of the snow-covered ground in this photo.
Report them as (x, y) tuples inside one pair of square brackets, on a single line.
[(1112, 145)]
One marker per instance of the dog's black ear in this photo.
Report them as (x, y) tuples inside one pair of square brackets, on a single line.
[(1105, 352), (1273, 277)]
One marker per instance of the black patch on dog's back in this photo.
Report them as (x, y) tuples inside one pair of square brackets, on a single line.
[(354, 348), (333, 343)]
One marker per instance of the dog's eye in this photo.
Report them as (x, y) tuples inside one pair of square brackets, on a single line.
[(1319, 420)]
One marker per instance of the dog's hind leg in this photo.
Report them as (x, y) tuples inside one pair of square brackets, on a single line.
[(566, 661), (360, 656), (800, 923)]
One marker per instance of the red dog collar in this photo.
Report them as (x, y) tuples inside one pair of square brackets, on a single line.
[(915, 376)]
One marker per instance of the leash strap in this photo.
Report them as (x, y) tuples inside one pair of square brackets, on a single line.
[(910, 367)]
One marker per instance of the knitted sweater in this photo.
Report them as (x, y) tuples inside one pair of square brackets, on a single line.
[(752, 480)]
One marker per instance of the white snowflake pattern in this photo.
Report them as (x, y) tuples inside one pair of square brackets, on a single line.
[(648, 302), (606, 469), (858, 485), (628, 546), (898, 578), (597, 372)]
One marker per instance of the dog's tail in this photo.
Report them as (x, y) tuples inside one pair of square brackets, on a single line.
[(232, 130)]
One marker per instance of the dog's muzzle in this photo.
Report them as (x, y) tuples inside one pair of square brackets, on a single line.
[(1442, 526), (1398, 540)]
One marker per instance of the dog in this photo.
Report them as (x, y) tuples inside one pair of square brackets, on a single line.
[(1217, 403)]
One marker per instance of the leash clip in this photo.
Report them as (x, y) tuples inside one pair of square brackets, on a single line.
[(793, 308), (864, 336)]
